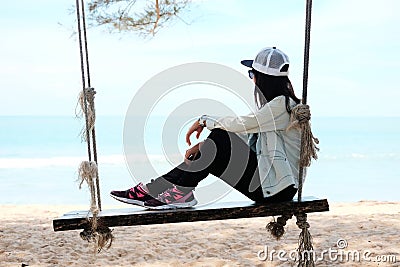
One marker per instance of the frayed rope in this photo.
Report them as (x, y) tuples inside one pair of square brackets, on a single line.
[(300, 119), (102, 237), (88, 109), (98, 234), (305, 250), (276, 228)]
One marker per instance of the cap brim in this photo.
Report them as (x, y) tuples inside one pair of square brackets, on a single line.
[(247, 63)]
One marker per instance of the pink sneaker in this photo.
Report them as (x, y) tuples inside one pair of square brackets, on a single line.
[(136, 195), (171, 199)]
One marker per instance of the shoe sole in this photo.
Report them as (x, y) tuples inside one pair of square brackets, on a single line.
[(129, 201), (174, 205)]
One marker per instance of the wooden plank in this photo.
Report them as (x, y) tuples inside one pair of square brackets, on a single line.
[(219, 211)]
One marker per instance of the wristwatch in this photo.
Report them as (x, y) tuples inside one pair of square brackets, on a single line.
[(202, 121)]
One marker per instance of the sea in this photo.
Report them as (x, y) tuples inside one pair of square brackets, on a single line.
[(359, 160)]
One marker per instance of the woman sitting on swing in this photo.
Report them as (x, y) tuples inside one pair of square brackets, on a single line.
[(265, 169)]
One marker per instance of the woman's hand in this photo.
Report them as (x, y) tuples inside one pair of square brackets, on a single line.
[(192, 152), (196, 127)]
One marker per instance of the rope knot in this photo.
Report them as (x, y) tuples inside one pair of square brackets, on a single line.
[(87, 171), (300, 119), (302, 221), (102, 237), (90, 92), (302, 113), (299, 114), (276, 228), (303, 225)]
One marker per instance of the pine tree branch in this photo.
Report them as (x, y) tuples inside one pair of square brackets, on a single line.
[(144, 17)]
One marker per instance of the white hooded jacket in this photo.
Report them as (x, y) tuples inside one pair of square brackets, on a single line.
[(278, 150)]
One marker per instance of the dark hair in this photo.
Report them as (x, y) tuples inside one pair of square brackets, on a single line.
[(273, 86)]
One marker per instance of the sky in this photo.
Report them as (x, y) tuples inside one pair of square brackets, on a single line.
[(354, 57)]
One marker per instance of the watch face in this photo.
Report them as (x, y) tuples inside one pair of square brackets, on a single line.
[(201, 122)]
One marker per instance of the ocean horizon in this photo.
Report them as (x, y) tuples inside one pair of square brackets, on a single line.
[(40, 155)]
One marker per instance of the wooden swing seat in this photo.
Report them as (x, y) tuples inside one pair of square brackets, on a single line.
[(219, 211)]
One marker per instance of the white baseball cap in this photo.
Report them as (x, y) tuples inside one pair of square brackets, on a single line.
[(271, 61)]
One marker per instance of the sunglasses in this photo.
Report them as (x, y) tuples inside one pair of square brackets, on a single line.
[(251, 74)]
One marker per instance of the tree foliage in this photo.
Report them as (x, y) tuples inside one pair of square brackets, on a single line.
[(145, 17)]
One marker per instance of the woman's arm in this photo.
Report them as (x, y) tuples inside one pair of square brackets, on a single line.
[(268, 118), (271, 117)]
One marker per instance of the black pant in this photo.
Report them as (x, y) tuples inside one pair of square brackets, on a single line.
[(224, 155)]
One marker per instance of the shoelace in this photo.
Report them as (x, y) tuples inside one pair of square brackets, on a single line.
[(165, 194)]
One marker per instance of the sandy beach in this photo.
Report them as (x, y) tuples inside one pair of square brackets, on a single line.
[(369, 228)]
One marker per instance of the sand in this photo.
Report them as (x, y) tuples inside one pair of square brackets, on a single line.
[(26, 237)]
